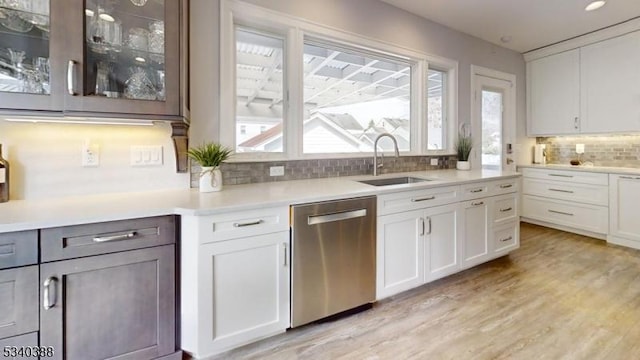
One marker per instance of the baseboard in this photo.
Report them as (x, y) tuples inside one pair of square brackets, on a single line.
[(623, 242), (565, 228)]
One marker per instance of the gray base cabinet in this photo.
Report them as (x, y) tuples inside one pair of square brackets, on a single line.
[(18, 301), (119, 305), (9, 346)]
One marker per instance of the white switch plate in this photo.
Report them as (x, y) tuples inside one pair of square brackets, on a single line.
[(434, 161), (90, 154), (146, 155), (276, 171)]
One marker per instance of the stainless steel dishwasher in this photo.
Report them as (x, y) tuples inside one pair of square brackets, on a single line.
[(333, 263)]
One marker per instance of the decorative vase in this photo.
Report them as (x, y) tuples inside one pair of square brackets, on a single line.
[(463, 165), (210, 179)]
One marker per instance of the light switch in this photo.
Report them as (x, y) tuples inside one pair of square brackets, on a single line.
[(579, 148), (146, 155)]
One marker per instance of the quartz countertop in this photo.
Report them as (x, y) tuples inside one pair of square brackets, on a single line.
[(17, 215), (587, 168)]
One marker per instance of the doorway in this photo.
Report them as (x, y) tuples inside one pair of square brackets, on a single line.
[(493, 120)]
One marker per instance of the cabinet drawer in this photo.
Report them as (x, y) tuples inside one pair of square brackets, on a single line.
[(582, 216), (18, 301), (18, 249), (584, 193), (417, 199), (101, 238), (505, 208), (581, 177), (506, 186), (506, 237), (475, 191), (30, 339), (238, 224)]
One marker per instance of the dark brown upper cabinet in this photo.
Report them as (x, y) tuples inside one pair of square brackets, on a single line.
[(94, 58)]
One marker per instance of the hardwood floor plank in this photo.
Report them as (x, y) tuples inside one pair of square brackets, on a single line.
[(560, 296)]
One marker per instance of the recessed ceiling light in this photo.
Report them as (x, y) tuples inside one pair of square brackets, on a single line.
[(140, 59), (107, 17), (88, 12), (594, 5)]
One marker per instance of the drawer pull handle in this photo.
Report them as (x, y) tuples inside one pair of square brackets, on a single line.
[(257, 222), (339, 216), (47, 303), (476, 190), (423, 199), (478, 203), (507, 239), (101, 239), (429, 227), (284, 245), (422, 232), (562, 191), (506, 209), (560, 212), (71, 69), (630, 177), (506, 186), (560, 175)]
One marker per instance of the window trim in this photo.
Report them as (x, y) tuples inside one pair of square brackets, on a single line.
[(294, 32)]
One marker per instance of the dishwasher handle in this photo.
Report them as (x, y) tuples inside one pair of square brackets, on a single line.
[(339, 216)]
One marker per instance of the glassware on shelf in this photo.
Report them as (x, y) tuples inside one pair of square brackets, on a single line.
[(156, 37), (17, 58), (138, 39), (104, 86), (14, 22), (139, 2), (139, 86), (37, 13), (161, 95), (105, 32), (42, 69)]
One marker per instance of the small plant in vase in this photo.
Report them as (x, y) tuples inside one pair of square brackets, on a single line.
[(463, 148), (209, 156)]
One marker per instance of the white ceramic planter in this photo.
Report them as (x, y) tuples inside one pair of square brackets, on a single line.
[(210, 179), (463, 165)]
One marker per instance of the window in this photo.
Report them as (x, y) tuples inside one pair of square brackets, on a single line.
[(291, 89), (351, 97), (259, 91)]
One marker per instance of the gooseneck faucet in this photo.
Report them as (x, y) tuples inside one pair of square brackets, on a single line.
[(375, 151)]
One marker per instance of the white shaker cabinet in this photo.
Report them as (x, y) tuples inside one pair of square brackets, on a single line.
[(476, 232), (442, 230), (553, 89), (235, 279), (399, 259), (610, 85), (624, 191)]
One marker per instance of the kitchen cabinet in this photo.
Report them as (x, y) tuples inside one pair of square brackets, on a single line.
[(624, 193), (108, 289), (476, 232), (400, 252), (18, 301), (235, 280), (609, 83), (94, 58), (553, 88), (442, 240)]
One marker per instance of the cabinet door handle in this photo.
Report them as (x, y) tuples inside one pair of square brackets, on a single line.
[(286, 253), (562, 191), (506, 209), (476, 190), (429, 227), (507, 239), (423, 199), (560, 212), (71, 69), (505, 186), (257, 222), (560, 175), (477, 203), (576, 124), (101, 239), (630, 177), (47, 303), (422, 230)]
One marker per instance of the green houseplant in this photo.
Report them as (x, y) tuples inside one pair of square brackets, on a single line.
[(464, 144), (209, 156)]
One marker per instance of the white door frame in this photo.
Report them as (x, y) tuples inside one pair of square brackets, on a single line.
[(508, 116)]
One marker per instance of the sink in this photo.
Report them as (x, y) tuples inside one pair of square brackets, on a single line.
[(393, 181)]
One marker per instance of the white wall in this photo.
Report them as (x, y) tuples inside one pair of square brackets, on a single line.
[(45, 159), (371, 18)]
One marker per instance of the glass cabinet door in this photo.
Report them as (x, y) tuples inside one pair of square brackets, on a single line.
[(130, 57), (25, 66)]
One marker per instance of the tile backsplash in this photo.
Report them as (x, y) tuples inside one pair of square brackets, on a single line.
[(618, 150), (257, 172)]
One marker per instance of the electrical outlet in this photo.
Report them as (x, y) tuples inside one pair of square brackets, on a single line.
[(146, 155), (434, 161), (276, 171), (579, 148), (90, 154)]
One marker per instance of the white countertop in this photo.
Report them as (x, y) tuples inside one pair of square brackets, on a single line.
[(17, 215), (588, 168)]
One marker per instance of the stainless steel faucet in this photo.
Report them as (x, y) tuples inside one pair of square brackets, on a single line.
[(375, 151)]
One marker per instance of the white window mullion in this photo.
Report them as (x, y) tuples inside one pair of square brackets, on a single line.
[(419, 108), (227, 115), (294, 89)]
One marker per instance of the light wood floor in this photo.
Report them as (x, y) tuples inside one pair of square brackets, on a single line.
[(560, 296)]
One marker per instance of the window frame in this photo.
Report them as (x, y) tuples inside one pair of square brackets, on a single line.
[(295, 32)]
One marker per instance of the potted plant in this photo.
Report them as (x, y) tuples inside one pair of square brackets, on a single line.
[(463, 148), (209, 156)]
